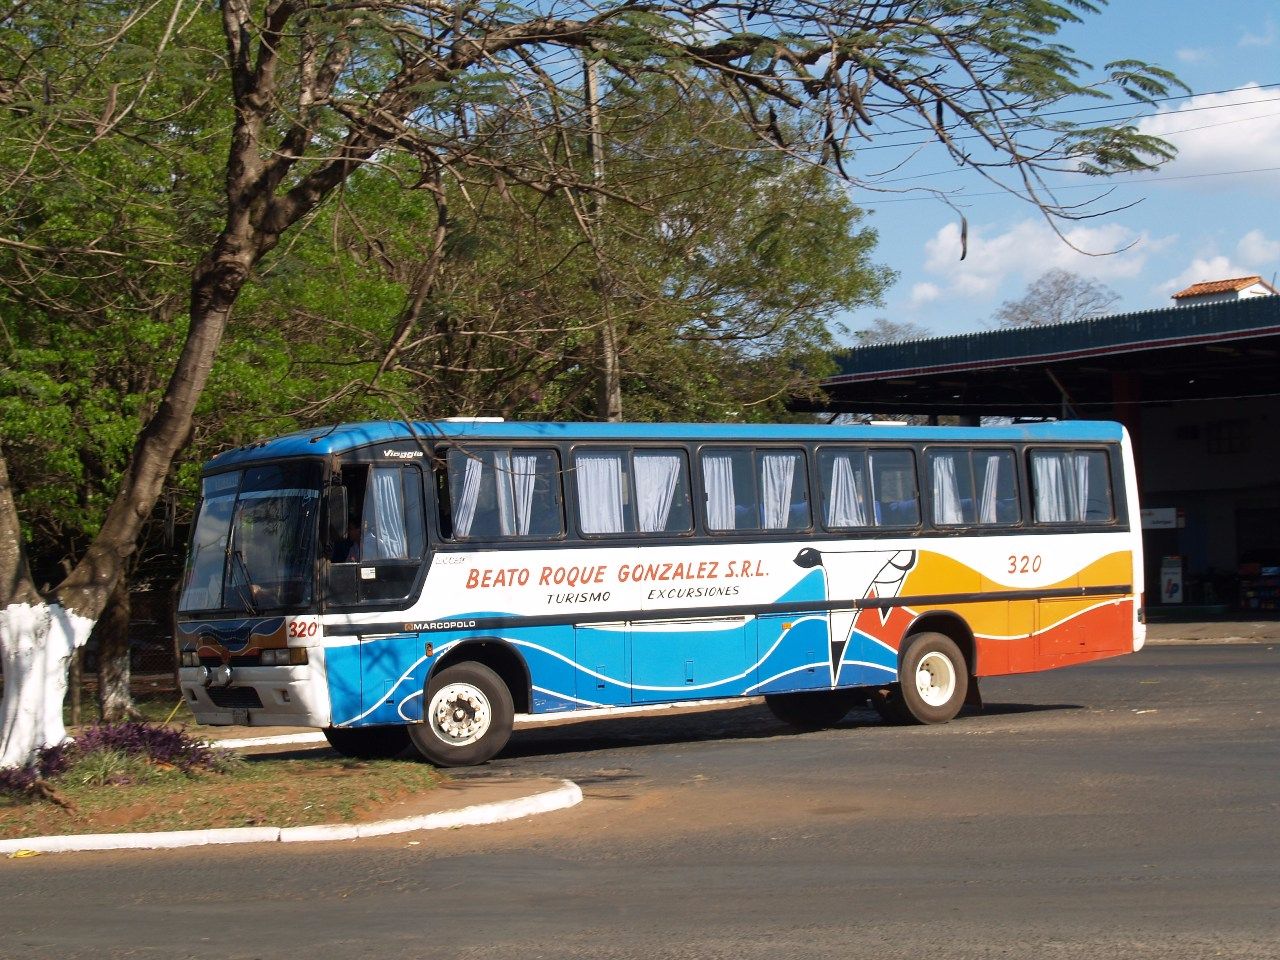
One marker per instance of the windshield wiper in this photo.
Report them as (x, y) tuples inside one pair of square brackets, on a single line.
[(246, 589)]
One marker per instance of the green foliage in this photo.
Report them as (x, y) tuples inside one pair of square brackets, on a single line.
[(722, 254), (106, 196)]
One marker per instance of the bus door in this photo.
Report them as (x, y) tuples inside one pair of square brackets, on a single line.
[(692, 659), (604, 664)]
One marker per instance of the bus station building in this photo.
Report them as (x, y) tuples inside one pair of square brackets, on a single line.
[(1197, 386)]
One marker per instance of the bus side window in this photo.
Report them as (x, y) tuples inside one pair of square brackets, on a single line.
[(392, 515), (784, 489), (503, 492), (729, 487), (1071, 486), (602, 481), (662, 491), (842, 481), (896, 500)]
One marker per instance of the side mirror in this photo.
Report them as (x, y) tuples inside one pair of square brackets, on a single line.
[(336, 502)]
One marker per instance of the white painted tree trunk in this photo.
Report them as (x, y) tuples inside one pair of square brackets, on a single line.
[(36, 643)]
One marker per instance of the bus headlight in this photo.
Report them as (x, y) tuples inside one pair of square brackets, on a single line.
[(285, 657), (221, 676)]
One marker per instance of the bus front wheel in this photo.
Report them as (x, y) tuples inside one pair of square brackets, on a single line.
[(467, 716), (934, 678), (811, 710)]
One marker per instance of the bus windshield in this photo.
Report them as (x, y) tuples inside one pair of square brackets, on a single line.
[(254, 543)]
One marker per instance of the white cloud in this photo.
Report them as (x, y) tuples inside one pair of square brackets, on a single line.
[(1257, 250), (1191, 55), (998, 260), (1264, 38), (922, 293), (1219, 133), (1201, 270)]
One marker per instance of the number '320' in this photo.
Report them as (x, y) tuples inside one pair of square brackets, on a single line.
[(1024, 564)]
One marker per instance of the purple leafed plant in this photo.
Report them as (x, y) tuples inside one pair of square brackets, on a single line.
[(48, 763), (156, 743), (160, 745)]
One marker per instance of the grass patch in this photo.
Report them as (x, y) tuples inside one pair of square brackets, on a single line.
[(154, 700), (118, 787)]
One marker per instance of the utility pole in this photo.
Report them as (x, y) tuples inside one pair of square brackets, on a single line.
[(609, 379)]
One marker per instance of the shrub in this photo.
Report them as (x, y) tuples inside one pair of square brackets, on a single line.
[(162, 745), (112, 753)]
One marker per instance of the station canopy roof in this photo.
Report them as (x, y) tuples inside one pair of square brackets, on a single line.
[(1208, 351)]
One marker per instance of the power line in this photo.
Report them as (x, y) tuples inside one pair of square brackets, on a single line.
[(1093, 186), (1109, 106)]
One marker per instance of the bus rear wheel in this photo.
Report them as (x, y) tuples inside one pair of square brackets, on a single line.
[(369, 743), (811, 710), (467, 716), (933, 678)]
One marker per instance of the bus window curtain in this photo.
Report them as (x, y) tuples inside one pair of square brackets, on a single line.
[(466, 499), (514, 476), (946, 492), (524, 472), (717, 478), (1062, 486), (600, 492), (777, 478), (1046, 470), (384, 537), (847, 506), (990, 484), (656, 477), (1080, 468)]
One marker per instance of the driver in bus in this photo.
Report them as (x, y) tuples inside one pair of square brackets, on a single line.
[(347, 550)]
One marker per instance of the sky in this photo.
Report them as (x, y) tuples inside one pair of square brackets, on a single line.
[(1210, 214)]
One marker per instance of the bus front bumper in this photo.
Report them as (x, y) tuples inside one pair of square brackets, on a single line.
[(258, 696)]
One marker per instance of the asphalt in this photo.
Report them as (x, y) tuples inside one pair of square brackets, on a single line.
[(478, 801), (1215, 631)]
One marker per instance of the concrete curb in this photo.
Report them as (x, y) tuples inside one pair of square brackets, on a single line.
[(566, 794), (1206, 641)]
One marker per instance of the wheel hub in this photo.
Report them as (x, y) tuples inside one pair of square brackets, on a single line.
[(935, 679), (459, 714)]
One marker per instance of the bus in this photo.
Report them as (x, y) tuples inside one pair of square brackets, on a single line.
[(420, 585)]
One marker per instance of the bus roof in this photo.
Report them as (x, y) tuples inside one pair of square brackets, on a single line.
[(341, 438)]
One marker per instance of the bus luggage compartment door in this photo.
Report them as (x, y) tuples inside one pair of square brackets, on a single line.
[(692, 659), (604, 664)]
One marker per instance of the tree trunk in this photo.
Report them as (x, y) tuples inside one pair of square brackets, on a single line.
[(37, 637), (112, 631), (36, 643)]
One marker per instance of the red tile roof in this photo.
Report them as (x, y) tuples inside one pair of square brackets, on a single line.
[(1221, 286)]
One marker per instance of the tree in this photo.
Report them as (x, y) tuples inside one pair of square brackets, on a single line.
[(320, 90), (728, 268), (883, 330), (1056, 296)]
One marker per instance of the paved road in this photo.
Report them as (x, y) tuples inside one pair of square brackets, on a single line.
[(1122, 809)]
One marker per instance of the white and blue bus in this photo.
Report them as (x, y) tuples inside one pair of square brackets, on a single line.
[(423, 584)]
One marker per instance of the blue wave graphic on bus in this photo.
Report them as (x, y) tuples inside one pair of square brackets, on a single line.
[(604, 665), (233, 635)]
